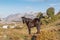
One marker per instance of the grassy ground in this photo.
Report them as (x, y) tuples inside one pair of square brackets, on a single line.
[(49, 32)]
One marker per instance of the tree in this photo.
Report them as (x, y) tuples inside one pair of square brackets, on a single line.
[(50, 12)]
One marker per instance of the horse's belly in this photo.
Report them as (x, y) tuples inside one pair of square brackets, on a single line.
[(31, 25)]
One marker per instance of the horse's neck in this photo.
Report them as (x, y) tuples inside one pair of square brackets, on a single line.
[(27, 20)]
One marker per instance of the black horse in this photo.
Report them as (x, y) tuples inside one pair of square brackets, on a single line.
[(32, 23)]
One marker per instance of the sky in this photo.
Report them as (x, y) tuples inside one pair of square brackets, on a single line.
[(8, 7)]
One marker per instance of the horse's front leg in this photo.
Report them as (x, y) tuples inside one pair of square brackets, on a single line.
[(29, 29)]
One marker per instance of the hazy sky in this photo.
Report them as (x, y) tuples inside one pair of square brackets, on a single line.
[(8, 7)]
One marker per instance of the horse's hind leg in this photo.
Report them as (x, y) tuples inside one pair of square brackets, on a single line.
[(38, 28)]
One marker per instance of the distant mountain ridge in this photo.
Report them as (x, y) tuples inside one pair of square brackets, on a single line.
[(14, 17), (17, 17)]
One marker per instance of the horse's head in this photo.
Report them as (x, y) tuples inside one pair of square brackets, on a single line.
[(23, 19)]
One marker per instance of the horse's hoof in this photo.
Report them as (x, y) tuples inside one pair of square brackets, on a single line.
[(37, 32)]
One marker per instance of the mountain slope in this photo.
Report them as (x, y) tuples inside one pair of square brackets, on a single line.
[(14, 17), (17, 17)]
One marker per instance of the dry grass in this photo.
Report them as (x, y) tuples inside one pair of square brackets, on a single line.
[(49, 32)]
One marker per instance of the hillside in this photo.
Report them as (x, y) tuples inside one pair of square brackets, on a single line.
[(50, 32), (14, 17), (17, 17)]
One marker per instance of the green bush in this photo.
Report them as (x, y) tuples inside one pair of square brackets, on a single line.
[(50, 12)]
